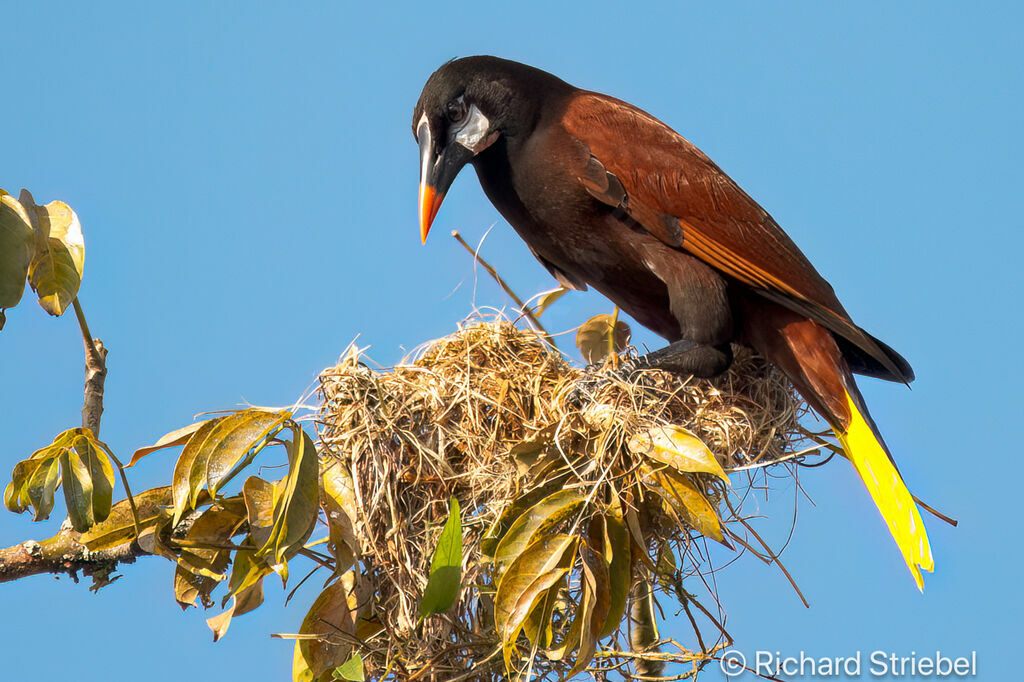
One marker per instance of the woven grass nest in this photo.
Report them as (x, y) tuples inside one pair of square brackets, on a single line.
[(583, 494)]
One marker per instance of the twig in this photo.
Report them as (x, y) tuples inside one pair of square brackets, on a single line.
[(771, 553), (935, 512), (95, 374), (501, 283)]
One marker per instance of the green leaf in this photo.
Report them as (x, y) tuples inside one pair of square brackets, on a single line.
[(42, 486), (445, 567), (77, 489), (620, 569), (679, 449), (55, 272), (546, 298), (101, 473), (602, 336), (17, 247), (295, 509), (352, 669), (541, 516)]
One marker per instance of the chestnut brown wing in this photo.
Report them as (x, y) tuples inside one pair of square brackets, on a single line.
[(675, 192)]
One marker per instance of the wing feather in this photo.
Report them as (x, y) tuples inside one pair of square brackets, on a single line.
[(674, 191)]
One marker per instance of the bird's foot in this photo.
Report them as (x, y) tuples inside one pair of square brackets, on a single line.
[(599, 375)]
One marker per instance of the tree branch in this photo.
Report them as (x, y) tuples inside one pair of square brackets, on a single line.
[(64, 554), (95, 374)]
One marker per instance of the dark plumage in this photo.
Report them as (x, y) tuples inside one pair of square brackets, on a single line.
[(606, 195)]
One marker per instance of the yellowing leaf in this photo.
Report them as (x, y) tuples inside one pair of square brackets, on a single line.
[(602, 336), (445, 567), (259, 496), (101, 473), (16, 497), (489, 543), (17, 247), (688, 503), (545, 514), (182, 480), (242, 603), (236, 441), (168, 440), (295, 509), (218, 450), (75, 458), (679, 449), (528, 577), (214, 527), (119, 527), (155, 539), (55, 272), (538, 626), (338, 500), (330, 619), (617, 553), (246, 571), (593, 608)]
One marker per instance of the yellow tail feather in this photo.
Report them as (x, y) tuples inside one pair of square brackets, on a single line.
[(888, 491)]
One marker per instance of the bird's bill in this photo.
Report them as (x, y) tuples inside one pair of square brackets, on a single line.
[(430, 204), (437, 172)]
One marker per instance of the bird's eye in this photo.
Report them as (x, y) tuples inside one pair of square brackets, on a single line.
[(456, 110)]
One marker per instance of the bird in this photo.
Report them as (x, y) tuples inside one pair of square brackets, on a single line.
[(606, 196)]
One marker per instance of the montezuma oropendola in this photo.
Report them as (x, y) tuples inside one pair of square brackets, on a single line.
[(606, 195)]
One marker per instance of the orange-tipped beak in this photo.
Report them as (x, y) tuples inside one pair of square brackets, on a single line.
[(437, 170), (430, 203)]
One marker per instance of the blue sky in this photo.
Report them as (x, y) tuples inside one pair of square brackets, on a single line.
[(246, 178)]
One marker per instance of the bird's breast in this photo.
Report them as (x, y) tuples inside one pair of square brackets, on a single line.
[(540, 195)]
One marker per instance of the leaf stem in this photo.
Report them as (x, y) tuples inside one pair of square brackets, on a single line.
[(90, 343), (127, 490)]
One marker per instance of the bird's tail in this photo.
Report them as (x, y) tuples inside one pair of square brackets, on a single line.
[(864, 447), (808, 354)]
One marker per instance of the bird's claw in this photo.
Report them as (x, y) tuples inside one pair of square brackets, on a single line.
[(598, 375)]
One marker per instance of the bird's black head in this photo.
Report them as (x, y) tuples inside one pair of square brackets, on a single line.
[(464, 108)]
